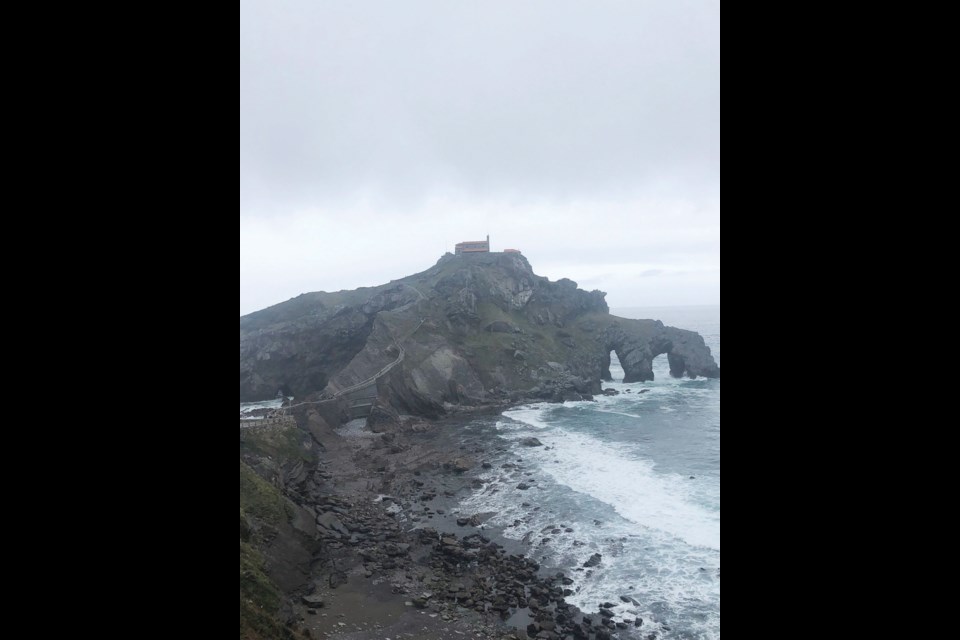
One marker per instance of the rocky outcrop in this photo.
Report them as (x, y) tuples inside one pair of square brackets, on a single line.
[(471, 330), (638, 343), (297, 346)]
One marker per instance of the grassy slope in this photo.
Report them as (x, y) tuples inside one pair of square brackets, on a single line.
[(263, 505), (541, 344), (285, 444), (259, 598)]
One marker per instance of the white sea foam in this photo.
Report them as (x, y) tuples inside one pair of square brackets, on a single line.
[(532, 415), (617, 472), (579, 404), (650, 563), (267, 404), (620, 413), (621, 478), (663, 549), (631, 485)]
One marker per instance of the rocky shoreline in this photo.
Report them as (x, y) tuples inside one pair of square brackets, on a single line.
[(389, 556), (362, 518)]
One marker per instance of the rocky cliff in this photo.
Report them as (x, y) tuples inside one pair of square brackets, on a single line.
[(470, 330)]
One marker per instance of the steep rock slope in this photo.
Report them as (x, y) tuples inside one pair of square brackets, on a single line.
[(471, 329)]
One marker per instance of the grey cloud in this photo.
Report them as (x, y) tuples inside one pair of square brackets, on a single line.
[(552, 98), (376, 134)]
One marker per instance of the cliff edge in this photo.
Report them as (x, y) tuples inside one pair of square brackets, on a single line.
[(472, 329)]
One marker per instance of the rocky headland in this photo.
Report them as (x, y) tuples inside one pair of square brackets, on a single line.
[(349, 528), (472, 330)]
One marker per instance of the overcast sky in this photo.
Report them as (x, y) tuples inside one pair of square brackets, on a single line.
[(376, 134)]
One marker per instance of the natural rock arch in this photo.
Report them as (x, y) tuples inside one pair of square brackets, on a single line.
[(639, 342)]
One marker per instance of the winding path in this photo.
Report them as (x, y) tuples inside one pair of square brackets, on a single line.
[(369, 382)]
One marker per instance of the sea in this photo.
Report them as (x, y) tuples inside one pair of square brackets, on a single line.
[(635, 478), (252, 411)]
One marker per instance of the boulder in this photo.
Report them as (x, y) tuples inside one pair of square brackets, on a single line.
[(462, 465), (314, 602), (331, 522), (337, 580)]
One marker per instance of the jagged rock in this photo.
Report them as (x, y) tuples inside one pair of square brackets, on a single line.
[(314, 602), (594, 561), (462, 465), (639, 342), (383, 419), (421, 359), (531, 442), (330, 522)]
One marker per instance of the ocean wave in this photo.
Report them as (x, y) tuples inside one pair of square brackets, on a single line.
[(248, 407), (629, 483), (531, 416), (619, 413), (658, 563)]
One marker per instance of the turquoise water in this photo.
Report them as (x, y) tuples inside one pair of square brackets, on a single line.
[(637, 479)]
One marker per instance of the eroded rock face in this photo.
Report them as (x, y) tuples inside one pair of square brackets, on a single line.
[(471, 330), (298, 356), (639, 342)]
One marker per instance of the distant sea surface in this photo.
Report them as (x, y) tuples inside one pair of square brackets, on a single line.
[(637, 479)]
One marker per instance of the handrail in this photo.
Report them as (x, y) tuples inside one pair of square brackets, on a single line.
[(366, 383)]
